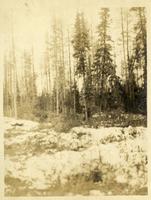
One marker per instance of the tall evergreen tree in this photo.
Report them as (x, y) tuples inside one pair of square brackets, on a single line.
[(81, 47), (140, 54), (103, 63)]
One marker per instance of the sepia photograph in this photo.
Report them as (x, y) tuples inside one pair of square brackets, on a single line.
[(74, 98)]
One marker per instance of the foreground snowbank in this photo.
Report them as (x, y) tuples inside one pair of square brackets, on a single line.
[(21, 124), (46, 159)]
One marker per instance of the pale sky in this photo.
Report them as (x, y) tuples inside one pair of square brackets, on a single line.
[(32, 19)]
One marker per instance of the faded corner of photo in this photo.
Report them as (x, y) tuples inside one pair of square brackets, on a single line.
[(75, 98)]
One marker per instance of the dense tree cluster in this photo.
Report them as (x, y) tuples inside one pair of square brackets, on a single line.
[(78, 74)]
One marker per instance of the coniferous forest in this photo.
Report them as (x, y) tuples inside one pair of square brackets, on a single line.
[(74, 99), (78, 70)]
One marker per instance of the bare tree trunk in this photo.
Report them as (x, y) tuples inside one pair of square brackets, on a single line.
[(57, 91), (85, 101), (128, 63), (5, 87), (74, 96), (123, 42), (69, 58), (14, 76), (142, 18), (63, 72), (130, 68), (56, 64)]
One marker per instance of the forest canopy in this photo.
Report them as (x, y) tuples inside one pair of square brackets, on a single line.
[(81, 71)]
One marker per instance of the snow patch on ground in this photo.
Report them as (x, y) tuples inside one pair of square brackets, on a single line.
[(25, 125), (118, 153), (45, 170)]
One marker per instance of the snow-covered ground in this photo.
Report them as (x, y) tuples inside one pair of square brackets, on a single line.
[(37, 161)]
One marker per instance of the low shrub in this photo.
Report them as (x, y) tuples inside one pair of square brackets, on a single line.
[(63, 123)]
